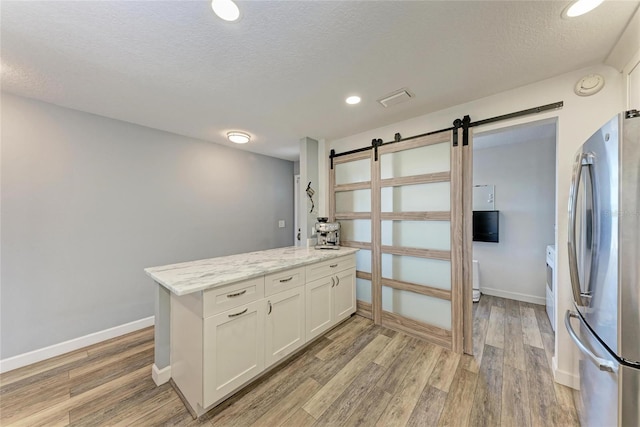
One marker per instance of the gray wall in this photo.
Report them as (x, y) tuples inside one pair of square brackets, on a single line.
[(524, 176), (88, 202)]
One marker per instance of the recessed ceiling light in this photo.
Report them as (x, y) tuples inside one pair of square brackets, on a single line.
[(580, 7), (352, 100), (226, 9), (238, 137)]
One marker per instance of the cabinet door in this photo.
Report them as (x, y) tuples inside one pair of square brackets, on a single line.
[(319, 306), (285, 324), (233, 349), (344, 295)]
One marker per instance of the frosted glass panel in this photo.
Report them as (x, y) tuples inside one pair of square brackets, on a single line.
[(434, 311), (356, 171), (416, 161), (353, 201), (417, 234), (357, 230), (421, 271), (363, 290), (420, 197), (363, 260)]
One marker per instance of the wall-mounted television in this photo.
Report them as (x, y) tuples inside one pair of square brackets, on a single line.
[(485, 226)]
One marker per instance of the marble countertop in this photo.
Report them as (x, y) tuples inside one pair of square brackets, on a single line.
[(188, 277)]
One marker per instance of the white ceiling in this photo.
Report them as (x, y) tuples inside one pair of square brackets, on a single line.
[(283, 71)]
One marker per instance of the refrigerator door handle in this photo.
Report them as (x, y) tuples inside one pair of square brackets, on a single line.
[(584, 159), (602, 364)]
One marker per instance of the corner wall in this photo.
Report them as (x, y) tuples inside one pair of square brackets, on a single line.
[(577, 120), (88, 202)]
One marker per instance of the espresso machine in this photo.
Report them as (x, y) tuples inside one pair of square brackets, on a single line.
[(328, 234)]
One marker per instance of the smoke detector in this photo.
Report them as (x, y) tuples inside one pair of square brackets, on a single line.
[(395, 98), (589, 85)]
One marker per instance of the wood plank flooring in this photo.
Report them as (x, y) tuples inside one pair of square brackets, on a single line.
[(358, 374)]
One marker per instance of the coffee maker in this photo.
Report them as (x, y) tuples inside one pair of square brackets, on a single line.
[(328, 234)]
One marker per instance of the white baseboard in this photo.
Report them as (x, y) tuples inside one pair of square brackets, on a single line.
[(514, 295), (41, 354), (563, 377), (160, 376)]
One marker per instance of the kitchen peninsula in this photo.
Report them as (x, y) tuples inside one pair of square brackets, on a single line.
[(221, 322)]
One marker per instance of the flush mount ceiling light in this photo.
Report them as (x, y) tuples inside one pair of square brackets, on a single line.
[(580, 7), (352, 100), (238, 137), (226, 9)]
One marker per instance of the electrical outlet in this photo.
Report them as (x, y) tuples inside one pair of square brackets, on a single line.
[(281, 223)]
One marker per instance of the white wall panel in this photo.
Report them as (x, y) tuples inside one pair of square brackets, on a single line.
[(433, 311), (417, 234), (363, 290), (358, 230), (419, 197), (416, 161), (421, 271), (356, 171), (353, 201)]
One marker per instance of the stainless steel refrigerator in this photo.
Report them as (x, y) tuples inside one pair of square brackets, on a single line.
[(604, 264)]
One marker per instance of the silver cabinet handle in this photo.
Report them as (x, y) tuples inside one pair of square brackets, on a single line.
[(237, 294), (286, 280), (238, 314), (270, 307), (338, 279), (333, 282), (602, 364), (333, 265)]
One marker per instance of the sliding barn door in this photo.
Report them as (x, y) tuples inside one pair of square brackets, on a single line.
[(402, 205), (351, 204), (420, 236)]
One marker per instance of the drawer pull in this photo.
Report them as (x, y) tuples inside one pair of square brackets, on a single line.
[(333, 265), (238, 314), (286, 280), (237, 294)]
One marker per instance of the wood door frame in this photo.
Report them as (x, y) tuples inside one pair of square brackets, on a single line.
[(467, 244)]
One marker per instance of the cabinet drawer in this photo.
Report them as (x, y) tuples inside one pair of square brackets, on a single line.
[(332, 266), (283, 280), (230, 296)]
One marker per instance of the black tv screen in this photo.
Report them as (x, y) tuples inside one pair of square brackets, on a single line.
[(485, 226)]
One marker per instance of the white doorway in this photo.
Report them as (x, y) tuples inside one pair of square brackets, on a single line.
[(517, 167)]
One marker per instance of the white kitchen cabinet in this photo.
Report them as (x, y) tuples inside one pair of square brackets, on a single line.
[(332, 298), (344, 295), (319, 306), (221, 299), (233, 349), (285, 324), (223, 337), (326, 268)]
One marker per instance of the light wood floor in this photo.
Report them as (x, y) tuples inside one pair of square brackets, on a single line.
[(359, 374)]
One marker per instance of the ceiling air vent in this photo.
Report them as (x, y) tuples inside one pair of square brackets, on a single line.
[(395, 98)]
